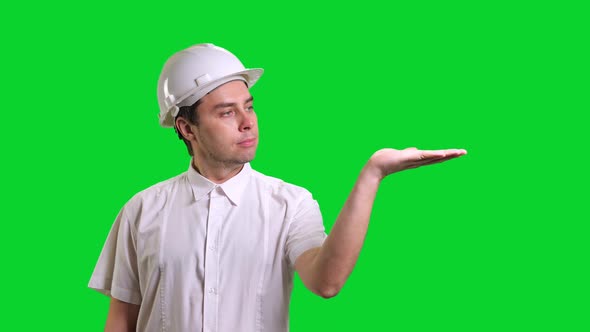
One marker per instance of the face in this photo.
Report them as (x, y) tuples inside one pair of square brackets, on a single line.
[(227, 133)]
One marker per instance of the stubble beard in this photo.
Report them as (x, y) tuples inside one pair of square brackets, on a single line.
[(230, 161)]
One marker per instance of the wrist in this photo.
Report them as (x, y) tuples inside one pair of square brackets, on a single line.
[(372, 172)]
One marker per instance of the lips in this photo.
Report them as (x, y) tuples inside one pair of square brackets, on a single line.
[(247, 142)]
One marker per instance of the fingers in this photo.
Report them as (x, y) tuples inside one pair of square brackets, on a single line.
[(458, 152), (435, 160), (425, 155)]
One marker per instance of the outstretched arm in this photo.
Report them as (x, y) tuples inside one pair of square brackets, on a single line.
[(324, 270)]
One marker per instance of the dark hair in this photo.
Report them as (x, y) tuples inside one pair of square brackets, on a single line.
[(190, 114)]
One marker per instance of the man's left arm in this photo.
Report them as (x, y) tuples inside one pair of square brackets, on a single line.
[(324, 270)]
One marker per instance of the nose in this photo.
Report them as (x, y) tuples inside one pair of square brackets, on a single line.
[(247, 121)]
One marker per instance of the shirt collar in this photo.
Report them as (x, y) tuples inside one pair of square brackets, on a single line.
[(233, 188)]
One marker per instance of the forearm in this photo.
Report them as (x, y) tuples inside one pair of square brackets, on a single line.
[(337, 257), (122, 316)]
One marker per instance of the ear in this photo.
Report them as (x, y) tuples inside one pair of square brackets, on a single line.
[(185, 129)]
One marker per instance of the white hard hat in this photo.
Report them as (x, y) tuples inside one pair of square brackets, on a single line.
[(190, 74)]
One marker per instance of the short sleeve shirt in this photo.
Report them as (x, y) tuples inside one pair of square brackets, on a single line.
[(200, 256)]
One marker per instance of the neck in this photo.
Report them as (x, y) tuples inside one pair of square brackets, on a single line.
[(218, 173)]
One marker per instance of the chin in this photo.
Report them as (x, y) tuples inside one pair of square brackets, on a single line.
[(248, 159), (241, 159), (248, 155)]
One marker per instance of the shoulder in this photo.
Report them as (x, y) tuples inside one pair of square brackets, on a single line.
[(278, 188), (289, 200), (154, 198)]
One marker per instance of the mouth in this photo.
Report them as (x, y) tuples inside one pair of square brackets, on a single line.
[(247, 142)]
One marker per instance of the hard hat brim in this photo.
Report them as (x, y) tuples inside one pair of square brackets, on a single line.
[(249, 76)]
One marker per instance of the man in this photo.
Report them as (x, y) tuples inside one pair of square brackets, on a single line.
[(216, 248)]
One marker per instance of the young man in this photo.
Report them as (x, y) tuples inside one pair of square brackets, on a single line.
[(216, 248)]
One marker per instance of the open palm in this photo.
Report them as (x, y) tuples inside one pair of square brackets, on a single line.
[(388, 161)]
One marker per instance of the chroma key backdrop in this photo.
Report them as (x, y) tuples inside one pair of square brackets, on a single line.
[(496, 240)]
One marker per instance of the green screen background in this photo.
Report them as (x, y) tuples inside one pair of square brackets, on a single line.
[(494, 241)]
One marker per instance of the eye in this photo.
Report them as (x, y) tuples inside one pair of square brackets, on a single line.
[(250, 108), (227, 113)]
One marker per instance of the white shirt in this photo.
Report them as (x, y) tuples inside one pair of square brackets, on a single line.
[(198, 256)]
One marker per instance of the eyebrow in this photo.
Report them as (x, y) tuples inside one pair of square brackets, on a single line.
[(224, 105)]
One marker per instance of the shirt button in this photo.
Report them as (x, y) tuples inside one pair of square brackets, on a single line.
[(212, 290)]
